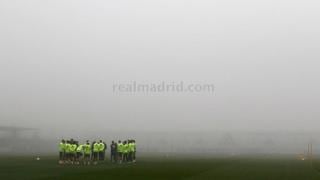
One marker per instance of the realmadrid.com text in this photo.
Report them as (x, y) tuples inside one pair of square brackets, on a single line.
[(162, 87)]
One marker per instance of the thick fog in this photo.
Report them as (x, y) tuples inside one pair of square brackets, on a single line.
[(62, 62)]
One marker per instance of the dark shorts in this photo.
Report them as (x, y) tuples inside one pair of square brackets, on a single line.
[(87, 156), (73, 154), (61, 155), (95, 155), (79, 154), (101, 155)]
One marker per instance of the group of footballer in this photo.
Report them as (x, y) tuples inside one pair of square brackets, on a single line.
[(72, 152)]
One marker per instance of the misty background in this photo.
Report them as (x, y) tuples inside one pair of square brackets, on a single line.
[(59, 60)]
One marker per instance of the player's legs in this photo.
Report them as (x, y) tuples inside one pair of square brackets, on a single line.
[(134, 156)]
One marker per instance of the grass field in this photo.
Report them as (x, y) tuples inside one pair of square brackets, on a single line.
[(223, 168)]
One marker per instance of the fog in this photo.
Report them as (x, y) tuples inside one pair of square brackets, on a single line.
[(60, 61)]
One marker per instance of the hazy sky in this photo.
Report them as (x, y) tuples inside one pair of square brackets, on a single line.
[(60, 58)]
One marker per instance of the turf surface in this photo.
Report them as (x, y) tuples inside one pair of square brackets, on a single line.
[(223, 168)]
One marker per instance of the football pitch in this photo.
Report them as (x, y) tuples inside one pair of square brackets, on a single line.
[(213, 168)]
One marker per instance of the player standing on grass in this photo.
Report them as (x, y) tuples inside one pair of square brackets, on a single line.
[(92, 153), (73, 150), (101, 150), (96, 148), (79, 153), (113, 151), (125, 151), (67, 152), (62, 147), (86, 152), (131, 150), (119, 151)]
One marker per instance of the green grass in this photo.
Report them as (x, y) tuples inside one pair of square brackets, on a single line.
[(223, 168)]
